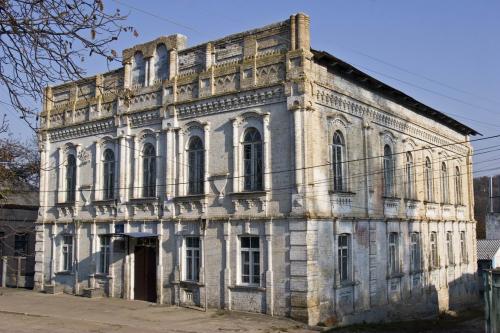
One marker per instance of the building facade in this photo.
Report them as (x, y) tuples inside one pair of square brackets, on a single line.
[(254, 173)]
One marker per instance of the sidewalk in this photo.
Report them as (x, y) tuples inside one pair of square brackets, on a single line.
[(27, 311)]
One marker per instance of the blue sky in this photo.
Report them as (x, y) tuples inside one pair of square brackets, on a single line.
[(455, 43)]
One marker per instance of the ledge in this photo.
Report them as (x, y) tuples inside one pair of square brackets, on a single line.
[(66, 204), (143, 200), (346, 284), (191, 284), (248, 193), (395, 276), (64, 273), (342, 193), (247, 288), (190, 197), (104, 202)]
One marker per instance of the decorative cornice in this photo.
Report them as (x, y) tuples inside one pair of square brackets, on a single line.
[(329, 98), (86, 129), (231, 102)]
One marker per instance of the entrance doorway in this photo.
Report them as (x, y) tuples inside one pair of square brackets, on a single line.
[(145, 272)]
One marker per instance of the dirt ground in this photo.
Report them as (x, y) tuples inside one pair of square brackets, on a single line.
[(23, 311)]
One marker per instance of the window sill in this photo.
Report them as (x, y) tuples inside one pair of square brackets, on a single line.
[(410, 200), (248, 193), (191, 284), (65, 273), (249, 287), (345, 284), (190, 197), (343, 193), (416, 272), (395, 276), (105, 202), (66, 204), (143, 200), (102, 276), (391, 198)]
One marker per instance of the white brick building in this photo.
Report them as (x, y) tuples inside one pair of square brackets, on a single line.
[(254, 173)]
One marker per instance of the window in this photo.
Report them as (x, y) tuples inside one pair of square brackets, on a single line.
[(338, 162), (109, 174), (161, 63), (21, 245), (458, 187), (393, 253), (71, 178), (415, 261), (148, 171), (104, 248), (410, 177), (252, 160), (344, 257), (67, 253), (428, 180), (445, 195), (434, 250), (192, 258), (388, 172), (196, 165), (463, 249), (449, 247), (138, 70), (250, 260)]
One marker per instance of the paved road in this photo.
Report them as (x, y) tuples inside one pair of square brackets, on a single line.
[(23, 311)]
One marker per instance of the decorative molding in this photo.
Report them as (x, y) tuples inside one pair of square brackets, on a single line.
[(329, 98), (144, 118), (86, 129), (231, 102)]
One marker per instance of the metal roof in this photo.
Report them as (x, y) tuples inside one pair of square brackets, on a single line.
[(352, 73), (487, 248)]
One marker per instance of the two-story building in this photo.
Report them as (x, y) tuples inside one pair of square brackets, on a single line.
[(254, 173)]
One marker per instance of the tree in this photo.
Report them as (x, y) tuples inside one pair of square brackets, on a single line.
[(19, 164), (43, 42)]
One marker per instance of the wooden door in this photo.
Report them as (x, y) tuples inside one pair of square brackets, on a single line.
[(145, 273)]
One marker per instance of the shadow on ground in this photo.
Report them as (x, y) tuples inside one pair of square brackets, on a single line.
[(467, 321)]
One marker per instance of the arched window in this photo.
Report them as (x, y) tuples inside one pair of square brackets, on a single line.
[(148, 171), (252, 160), (458, 187), (71, 178), (138, 70), (445, 195), (109, 174), (196, 165), (428, 180), (388, 172), (161, 63), (410, 177), (433, 260), (338, 160)]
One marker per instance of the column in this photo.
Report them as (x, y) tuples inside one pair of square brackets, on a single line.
[(111, 274), (269, 271), (123, 167), (206, 156), (158, 164), (61, 197), (169, 188), (159, 268), (76, 257), (236, 171), (93, 251), (298, 142), (53, 254), (180, 164), (267, 144), (136, 185), (116, 170), (227, 266), (77, 176), (97, 177)]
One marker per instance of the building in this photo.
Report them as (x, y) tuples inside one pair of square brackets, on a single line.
[(18, 213), (255, 173)]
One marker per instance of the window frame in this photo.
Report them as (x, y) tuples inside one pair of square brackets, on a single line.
[(458, 187), (338, 158), (191, 269), (254, 257), (104, 256), (393, 257), (253, 166), (450, 254), (463, 248), (24, 252), (67, 253), (388, 171), (196, 165), (149, 169), (70, 178), (445, 185), (344, 258), (161, 64), (109, 162), (434, 251), (428, 180), (409, 176), (138, 72), (415, 252)]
